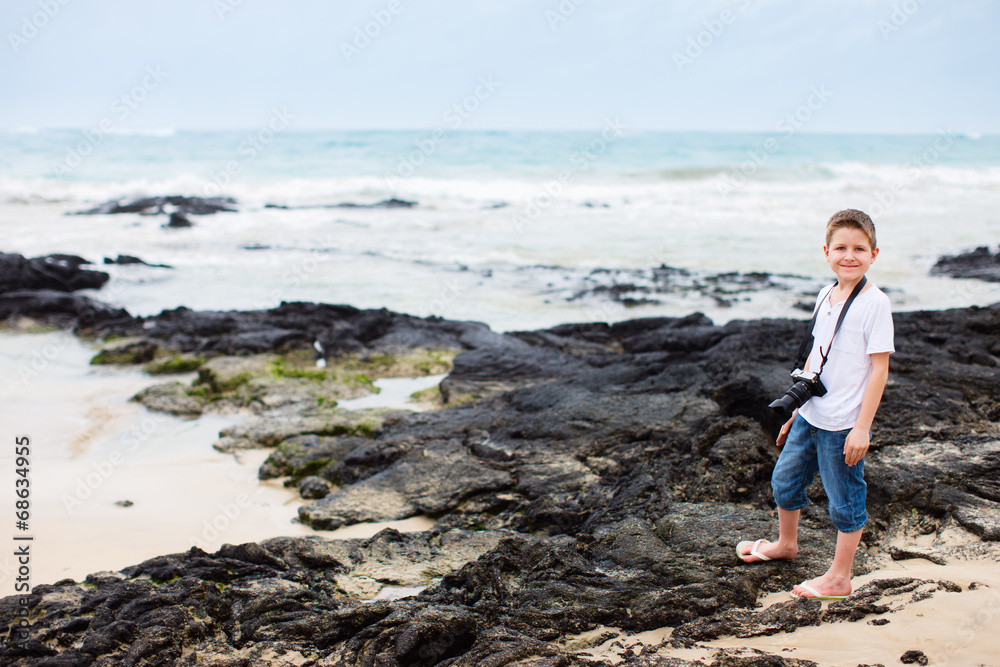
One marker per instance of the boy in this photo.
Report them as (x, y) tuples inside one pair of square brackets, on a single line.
[(831, 433)]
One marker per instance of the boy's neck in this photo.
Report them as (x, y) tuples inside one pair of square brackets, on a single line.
[(844, 288), (848, 285)]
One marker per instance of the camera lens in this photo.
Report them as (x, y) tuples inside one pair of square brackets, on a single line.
[(798, 394)]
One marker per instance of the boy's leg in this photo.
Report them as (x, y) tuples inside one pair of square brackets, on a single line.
[(843, 558), (787, 545), (837, 580), (788, 534), (793, 472), (845, 486)]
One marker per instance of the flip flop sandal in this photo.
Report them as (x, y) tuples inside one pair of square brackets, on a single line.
[(753, 551), (814, 594)]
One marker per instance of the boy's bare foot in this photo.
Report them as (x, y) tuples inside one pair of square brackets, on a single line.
[(751, 552), (825, 587)]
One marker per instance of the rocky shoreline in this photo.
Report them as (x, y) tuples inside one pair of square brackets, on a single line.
[(979, 264), (582, 477)]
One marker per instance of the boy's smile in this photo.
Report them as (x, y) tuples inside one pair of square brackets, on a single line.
[(849, 254)]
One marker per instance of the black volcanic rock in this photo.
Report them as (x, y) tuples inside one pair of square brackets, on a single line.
[(56, 308), (580, 476), (634, 287), (178, 219), (314, 487), (517, 596), (339, 329), (130, 260), (52, 272), (913, 657), (978, 263), (385, 203), (159, 205), (431, 480)]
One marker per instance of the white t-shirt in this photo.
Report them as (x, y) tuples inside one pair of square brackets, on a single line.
[(867, 329)]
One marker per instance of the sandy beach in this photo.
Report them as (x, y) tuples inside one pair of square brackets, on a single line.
[(950, 628), (115, 484)]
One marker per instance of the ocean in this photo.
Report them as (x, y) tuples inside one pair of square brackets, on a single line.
[(520, 230)]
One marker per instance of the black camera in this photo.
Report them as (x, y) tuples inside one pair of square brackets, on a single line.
[(806, 386)]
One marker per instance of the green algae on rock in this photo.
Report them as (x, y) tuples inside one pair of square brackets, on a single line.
[(175, 364), (126, 351), (264, 382)]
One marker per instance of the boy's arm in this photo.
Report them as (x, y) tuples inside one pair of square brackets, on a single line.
[(856, 445), (783, 433), (787, 426)]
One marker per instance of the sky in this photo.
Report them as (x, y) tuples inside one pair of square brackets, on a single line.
[(907, 66)]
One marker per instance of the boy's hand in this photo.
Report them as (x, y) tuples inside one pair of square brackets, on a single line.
[(856, 446), (783, 433)]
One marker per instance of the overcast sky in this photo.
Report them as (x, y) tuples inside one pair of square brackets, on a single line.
[(864, 65)]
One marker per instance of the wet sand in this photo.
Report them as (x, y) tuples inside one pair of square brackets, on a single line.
[(113, 484), (950, 628)]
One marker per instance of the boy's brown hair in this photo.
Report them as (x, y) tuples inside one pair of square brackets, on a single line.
[(851, 217)]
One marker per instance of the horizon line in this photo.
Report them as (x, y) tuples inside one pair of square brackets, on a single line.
[(164, 130)]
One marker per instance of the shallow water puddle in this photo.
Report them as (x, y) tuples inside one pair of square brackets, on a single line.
[(394, 393)]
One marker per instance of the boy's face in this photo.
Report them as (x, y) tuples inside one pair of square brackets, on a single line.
[(849, 253)]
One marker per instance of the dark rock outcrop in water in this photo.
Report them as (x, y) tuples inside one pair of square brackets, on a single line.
[(978, 263), (339, 330), (41, 289), (385, 203), (581, 476), (637, 287), (131, 260), (52, 272), (61, 309), (161, 205), (178, 219)]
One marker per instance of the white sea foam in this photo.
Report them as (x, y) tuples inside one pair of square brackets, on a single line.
[(144, 131), (577, 189)]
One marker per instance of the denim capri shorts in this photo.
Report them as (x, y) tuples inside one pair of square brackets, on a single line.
[(807, 450)]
